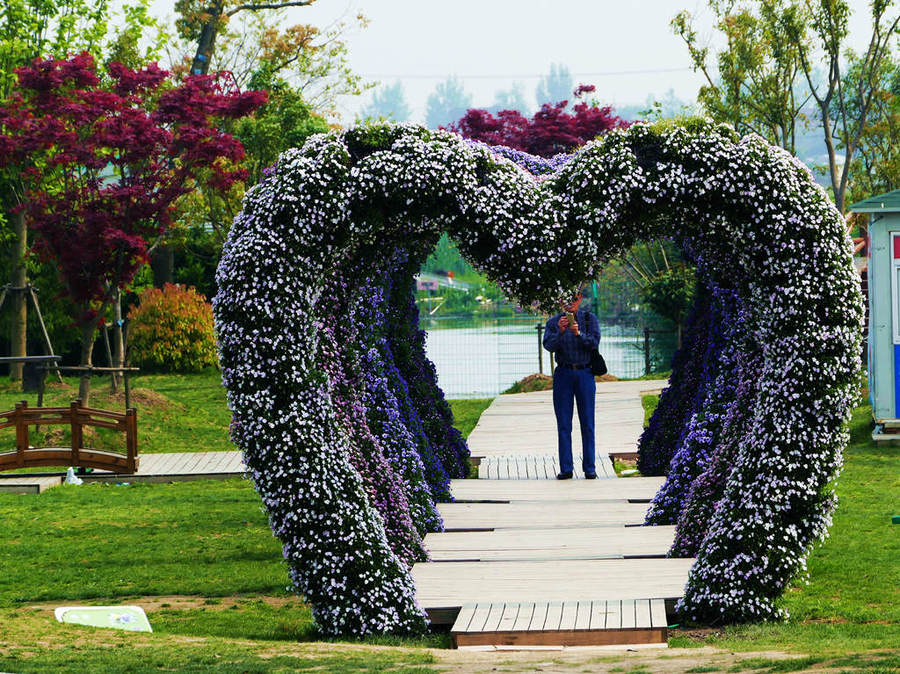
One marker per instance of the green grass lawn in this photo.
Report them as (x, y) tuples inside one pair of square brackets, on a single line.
[(203, 549), (201, 558), (852, 600), (176, 413)]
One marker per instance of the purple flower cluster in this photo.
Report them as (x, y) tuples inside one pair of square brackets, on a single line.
[(332, 396), (713, 397), (407, 343), (680, 399)]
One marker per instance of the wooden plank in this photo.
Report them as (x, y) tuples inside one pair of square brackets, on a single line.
[(523, 618), (484, 469), (599, 609), (642, 613), (613, 615), (479, 617), (569, 615), (492, 622), (203, 463), (215, 463), (218, 463), (563, 638), (628, 614), (236, 463), (558, 543), (583, 612), (29, 484), (554, 615), (161, 464), (658, 613), (539, 616), (508, 619), (543, 489), (454, 585), (547, 467), (191, 463), (464, 618), (529, 515)]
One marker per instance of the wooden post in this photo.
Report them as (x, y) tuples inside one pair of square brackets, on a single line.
[(77, 430), (646, 351), (21, 433), (131, 438), (114, 387), (47, 344)]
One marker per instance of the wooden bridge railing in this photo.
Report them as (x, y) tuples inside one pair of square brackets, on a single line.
[(77, 418)]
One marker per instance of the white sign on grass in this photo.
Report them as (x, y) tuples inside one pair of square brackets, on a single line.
[(130, 618)]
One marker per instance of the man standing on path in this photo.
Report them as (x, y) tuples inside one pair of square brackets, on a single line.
[(572, 336)]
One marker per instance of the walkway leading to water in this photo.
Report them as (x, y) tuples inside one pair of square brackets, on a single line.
[(528, 560)]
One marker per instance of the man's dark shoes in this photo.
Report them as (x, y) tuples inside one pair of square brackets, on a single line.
[(590, 476), (564, 476)]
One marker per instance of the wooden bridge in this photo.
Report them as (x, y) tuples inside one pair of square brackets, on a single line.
[(527, 560), (76, 418)]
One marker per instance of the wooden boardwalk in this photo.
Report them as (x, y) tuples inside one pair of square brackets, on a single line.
[(544, 514), (524, 424), (544, 544), (630, 489), (567, 623), (529, 560), (169, 467), (534, 467)]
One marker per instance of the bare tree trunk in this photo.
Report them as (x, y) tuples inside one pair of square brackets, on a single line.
[(118, 347), (88, 332), (18, 325), (207, 41), (162, 262)]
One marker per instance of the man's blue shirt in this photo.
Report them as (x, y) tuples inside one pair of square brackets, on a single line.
[(572, 349)]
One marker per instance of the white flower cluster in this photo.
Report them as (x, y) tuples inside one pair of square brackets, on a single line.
[(766, 231)]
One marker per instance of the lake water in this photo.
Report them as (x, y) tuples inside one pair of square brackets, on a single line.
[(481, 360)]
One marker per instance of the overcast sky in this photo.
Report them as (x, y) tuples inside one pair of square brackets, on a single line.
[(626, 49)]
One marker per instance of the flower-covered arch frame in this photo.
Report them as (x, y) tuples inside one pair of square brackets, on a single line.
[(348, 439)]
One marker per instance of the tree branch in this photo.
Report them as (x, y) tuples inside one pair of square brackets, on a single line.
[(269, 5)]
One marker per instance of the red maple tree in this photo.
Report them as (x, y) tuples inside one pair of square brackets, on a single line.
[(551, 131), (105, 156)]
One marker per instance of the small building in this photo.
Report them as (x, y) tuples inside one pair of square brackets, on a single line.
[(883, 277)]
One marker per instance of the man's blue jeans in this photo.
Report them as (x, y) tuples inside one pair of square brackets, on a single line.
[(569, 384)]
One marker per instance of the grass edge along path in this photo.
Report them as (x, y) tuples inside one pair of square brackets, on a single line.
[(239, 617)]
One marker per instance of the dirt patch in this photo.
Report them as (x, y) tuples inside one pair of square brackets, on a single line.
[(606, 659), (171, 602), (145, 400), (543, 382)]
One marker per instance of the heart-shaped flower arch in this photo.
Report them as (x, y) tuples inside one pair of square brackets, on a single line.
[(347, 437)]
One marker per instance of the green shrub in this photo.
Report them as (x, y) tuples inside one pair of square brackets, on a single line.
[(171, 330)]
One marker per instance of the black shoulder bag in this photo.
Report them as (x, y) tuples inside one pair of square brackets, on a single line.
[(598, 365)]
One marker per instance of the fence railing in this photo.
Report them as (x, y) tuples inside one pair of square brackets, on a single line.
[(482, 358), (77, 418)]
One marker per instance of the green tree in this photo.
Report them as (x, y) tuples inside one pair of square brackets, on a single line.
[(756, 86), (388, 102), (447, 103), (555, 86), (876, 167), (510, 99), (304, 69), (205, 215), (204, 22), (772, 66), (55, 28)]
